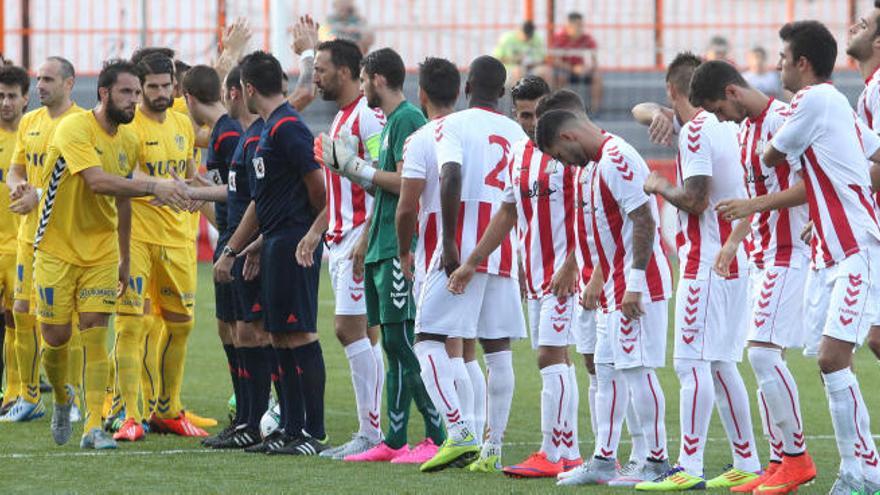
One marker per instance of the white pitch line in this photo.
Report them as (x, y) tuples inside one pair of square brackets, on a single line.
[(148, 453)]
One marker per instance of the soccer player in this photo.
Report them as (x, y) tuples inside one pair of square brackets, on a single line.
[(473, 150), (337, 76), (778, 262), (861, 47), (388, 294), (825, 131), (638, 281), (539, 201), (82, 240), (418, 213), (202, 92), (288, 193), (254, 364), (14, 84), (161, 257), (55, 79), (710, 325)]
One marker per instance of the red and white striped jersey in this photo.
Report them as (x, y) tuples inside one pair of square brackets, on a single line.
[(543, 191), (834, 144), (616, 189), (480, 140), (586, 258), (868, 105), (347, 202), (420, 162), (775, 236), (707, 147)]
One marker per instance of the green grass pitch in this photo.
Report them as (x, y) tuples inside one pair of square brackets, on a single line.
[(30, 462)]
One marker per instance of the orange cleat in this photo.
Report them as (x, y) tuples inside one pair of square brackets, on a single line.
[(772, 467), (535, 466), (176, 426), (131, 431), (794, 472)]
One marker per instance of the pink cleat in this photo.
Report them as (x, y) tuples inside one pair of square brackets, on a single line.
[(420, 454), (379, 453)]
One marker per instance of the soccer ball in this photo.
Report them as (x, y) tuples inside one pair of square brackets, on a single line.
[(269, 421)]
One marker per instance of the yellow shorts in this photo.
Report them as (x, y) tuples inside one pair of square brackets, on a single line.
[(65, 288), (24, 280), (170, 270), (7, 279)]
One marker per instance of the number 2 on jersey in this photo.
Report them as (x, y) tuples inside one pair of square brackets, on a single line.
[(493, 178)]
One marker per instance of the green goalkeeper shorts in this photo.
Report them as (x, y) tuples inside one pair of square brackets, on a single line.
[(389, 293)]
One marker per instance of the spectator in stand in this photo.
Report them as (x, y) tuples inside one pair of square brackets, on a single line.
[(523, 52), (759, 76), (346, 23), (718, 49), (574, 59)]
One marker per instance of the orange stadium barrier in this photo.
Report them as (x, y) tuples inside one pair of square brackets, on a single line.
[(632, 35)]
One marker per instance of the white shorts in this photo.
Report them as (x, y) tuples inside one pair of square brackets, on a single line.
[(639, 342), (710, 318), (490, 308), (552, 320), (853, 286), (777, 306), (604, 353), (815, 302), (347, 290), (585, 330)]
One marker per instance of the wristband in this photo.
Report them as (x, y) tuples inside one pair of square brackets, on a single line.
[(307, 54), (39, 192), (636, 281), (364, 173)]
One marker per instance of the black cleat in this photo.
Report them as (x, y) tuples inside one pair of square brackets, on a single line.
[(275, 440), (220, 436), (302, 445), (242, 438)]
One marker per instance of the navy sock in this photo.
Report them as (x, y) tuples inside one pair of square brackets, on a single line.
[(258, 368), (275, 372), (245, 385), (310, 359), (232, 362), (292, 413)]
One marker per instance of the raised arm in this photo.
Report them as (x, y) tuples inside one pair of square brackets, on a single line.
[(692, 198)]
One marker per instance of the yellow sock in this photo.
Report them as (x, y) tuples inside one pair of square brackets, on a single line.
[(94, 341), (56, 362), (127, 361), (27, 354), (13, 379), (153, 327), (172, 357), (76, 358), (112, 400)]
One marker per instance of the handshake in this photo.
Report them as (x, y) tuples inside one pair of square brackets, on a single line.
[(176, 193), (340, 156)]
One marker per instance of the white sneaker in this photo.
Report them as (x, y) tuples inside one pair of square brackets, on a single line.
[(596, 472)]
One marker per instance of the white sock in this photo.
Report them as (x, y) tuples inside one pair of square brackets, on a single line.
[(869, 451), (771, 432), (554, 395), (781, 396), (478, 383), (572, 449), (500, 384), (591, 399), (639, 449), (363, 380), (464, 390), (732, 401), (438, 378), (379, 388), (844, 401), (695, 411), (647, 396), (610, 409)]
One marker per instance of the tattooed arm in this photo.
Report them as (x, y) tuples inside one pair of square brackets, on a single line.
[(643, 232), (693, 198), (305, 40)]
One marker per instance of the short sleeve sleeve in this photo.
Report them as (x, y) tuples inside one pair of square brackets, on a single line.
[(870, 140), (695, 150), (414, 166), (18, 152), (590, 42), (295, 143), (625, 176), (449, 143), (800, 129), (73, 144)]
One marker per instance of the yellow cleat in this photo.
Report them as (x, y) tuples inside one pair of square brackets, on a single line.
[(199, 421), (731, 478)]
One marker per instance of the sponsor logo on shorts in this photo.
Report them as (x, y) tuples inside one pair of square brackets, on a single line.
[(90, 292)]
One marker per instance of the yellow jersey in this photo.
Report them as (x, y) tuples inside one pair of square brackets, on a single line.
[(179, 105), (34, 133), (8, 221), (164, 146), (77, 225)]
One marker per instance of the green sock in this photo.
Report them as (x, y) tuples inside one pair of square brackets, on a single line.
[(397, 394)]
